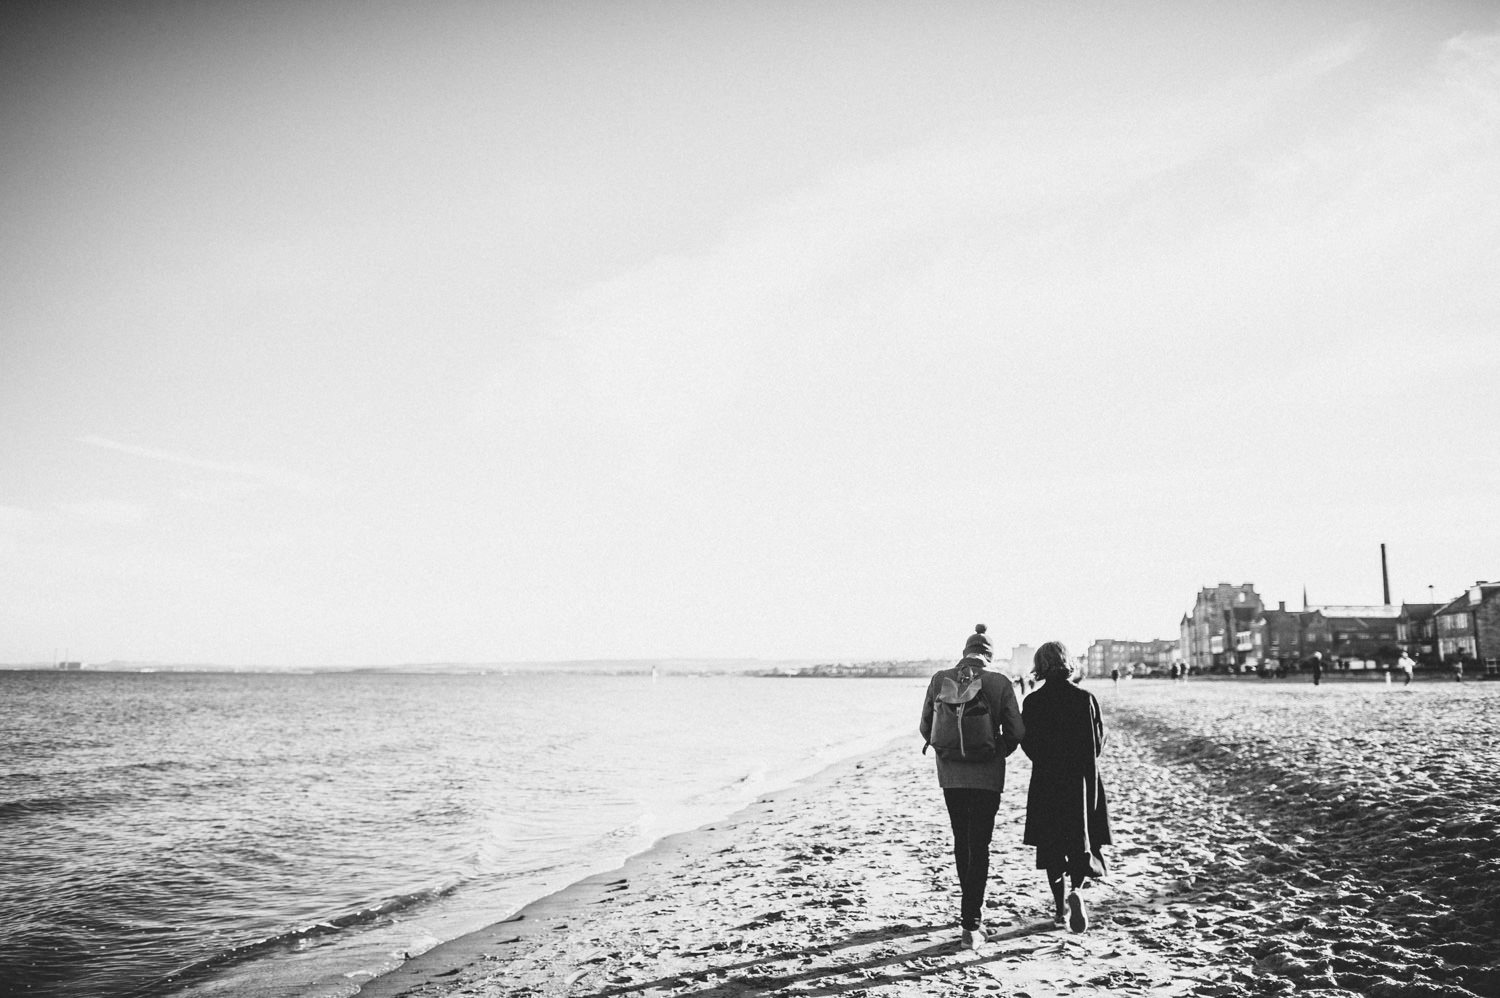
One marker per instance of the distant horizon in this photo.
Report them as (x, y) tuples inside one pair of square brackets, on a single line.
[(119, 665), (1076, 650), (1001, 655)]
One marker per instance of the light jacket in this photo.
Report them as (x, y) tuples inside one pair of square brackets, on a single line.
[(954, 774)]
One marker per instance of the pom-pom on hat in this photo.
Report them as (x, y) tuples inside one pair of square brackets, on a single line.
[(978, 643)]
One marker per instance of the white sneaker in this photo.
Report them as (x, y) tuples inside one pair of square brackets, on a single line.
[(1078, 915)]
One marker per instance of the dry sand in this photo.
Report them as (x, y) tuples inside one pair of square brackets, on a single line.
[(1270, 837)]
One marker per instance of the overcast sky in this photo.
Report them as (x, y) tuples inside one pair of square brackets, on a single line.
[(365, 333)]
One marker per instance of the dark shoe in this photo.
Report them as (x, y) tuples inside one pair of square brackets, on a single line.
[(1078, 915)]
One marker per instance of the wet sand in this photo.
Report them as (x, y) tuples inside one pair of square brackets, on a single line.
[(1270, 837)]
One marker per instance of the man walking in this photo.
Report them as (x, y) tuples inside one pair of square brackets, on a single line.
[(971, 718)]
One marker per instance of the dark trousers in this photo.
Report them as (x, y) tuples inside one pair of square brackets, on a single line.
[(972, 814)]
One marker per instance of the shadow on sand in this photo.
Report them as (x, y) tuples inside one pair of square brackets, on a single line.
[(911, 962)]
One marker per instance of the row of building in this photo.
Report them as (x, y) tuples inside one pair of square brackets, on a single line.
[(1130, 658), (1230, 629)]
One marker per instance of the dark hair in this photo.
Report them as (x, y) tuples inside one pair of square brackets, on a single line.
[(1051, 662)]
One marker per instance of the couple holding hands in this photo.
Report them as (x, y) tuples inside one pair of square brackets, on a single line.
[(972, 718)]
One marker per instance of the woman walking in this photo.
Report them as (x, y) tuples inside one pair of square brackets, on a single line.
[(971, 718), (1066, 816)]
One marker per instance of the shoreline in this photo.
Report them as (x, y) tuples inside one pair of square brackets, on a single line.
[(661, 857), (1238, 870)]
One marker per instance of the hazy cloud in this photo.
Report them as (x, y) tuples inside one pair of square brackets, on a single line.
[(264, 474), (1336, 54), (104, 511)]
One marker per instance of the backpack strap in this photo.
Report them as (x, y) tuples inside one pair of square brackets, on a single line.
[(977, 674), (937, 698)]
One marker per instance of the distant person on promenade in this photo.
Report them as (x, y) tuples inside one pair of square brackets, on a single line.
[(1317, 667), (971, 718), (1458, 670), (1066, 815), (1406, 665), (1114, 674)]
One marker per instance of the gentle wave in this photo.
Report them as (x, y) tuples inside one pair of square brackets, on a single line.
[(210, 834), (15, 810), (250, 950)]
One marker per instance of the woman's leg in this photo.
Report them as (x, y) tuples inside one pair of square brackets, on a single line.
[(1055, 881)]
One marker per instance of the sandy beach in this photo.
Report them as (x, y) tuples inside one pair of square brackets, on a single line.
[(1270, 837)]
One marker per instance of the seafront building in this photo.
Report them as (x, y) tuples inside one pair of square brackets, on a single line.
[(1216, 636), (1250, 638), (1468, 628), (1416, 632), (1230, 630), (1278, 636), (1132, 658), (1353, 637)]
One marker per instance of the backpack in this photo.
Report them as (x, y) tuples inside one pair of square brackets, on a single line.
[(963, 726)]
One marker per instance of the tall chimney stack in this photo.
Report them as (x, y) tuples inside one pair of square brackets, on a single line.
[(1385, 578)]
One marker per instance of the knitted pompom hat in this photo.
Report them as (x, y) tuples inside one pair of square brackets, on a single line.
[(978, 643)]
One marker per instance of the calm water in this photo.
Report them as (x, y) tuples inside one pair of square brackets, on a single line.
[(280, 835)]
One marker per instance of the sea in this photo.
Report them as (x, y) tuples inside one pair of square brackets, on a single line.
[(295, 834)]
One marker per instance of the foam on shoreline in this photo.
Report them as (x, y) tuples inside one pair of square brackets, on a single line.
[(664, 856)]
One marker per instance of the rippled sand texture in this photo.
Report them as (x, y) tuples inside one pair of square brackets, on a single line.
[(1356, 850), (1270, 838)]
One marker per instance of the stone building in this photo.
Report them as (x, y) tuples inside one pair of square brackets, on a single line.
[(1416, 632), (1130, 657), (1277, 638), (1353, 636), (1217, 635), (1468, 628)]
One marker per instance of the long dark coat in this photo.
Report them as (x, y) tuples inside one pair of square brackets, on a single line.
[(1066, 814)]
